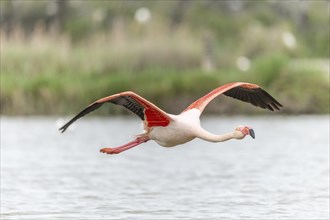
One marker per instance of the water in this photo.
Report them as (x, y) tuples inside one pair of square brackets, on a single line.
[(282, 174)]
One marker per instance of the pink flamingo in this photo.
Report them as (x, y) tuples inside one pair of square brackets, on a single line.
[(170, 130)]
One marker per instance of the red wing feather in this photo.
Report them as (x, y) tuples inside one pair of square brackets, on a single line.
[(144, 109)]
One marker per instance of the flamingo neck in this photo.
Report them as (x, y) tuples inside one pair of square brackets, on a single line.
[(207, 136)]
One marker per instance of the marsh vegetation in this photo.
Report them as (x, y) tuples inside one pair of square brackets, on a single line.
[(52, 67)]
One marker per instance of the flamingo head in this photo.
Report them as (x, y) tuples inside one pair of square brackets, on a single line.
[(241, 131)]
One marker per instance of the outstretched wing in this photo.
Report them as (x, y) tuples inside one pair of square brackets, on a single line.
[(144, 109), (245, 92)]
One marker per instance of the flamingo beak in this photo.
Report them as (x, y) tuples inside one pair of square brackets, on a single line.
[(251, 133)]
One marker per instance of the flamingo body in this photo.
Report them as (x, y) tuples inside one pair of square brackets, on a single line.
[(181, 129), (170, 130)]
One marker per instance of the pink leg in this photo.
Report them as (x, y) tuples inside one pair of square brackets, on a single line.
[(117, 150)]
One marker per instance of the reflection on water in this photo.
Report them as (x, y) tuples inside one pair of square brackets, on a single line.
[(282, 174)]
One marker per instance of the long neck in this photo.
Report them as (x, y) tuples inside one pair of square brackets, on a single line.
[(207, 136)]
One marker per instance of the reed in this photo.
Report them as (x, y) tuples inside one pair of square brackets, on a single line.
[(45, 73)]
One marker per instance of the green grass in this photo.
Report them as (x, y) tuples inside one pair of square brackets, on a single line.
[(48, 75), (299, 92), (304, 87)]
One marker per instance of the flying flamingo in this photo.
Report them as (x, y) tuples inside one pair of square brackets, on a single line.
[(170, 130)]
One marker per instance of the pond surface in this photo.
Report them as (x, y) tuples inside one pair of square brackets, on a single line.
[(282, 174)]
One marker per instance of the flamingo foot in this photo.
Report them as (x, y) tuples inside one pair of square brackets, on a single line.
[(109, 150)]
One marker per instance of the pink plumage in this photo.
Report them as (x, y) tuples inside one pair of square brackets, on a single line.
[(170, 130)]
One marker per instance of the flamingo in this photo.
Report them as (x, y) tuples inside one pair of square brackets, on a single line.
[(169, 130)]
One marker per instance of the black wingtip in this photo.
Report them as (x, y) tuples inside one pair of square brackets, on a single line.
[(62, 129), (65, 126), (273, 103), (256, 96)]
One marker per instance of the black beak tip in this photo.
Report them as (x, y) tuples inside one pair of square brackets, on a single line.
[(251, 132)]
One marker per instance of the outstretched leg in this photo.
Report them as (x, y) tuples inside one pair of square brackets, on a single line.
[(117, 150)]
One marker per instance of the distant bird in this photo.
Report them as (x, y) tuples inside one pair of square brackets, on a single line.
[(170, 130)]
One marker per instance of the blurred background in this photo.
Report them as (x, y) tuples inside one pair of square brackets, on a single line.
[(58, 56)]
